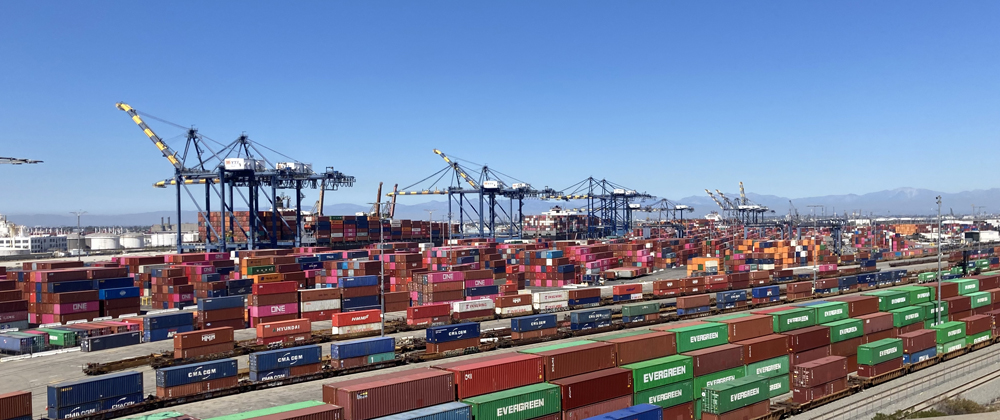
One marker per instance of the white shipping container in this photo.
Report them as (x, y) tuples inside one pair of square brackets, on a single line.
[(607, 291), (515, 310), (319, 305), (647, 287), (551, 306), (357, 328), (473, 305), (555, 296)]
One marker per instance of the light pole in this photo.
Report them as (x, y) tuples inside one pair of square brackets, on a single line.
[(381, 277), (79, 232), (939, 262), (430, 221)]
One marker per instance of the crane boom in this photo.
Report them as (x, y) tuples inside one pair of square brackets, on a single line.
[(716, 200), (392, 205), (166, 150), (458, 169), (728, 201), (743, 195)]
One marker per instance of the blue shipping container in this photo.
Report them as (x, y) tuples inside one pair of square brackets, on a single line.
[(285, 358), (270, 375), (454, 332), (189, 374), (118, 293), (122, 402), (117, 283), (111, 341), (359, 302), (765, 291), (446, 411), (731, 296), (215, 304), (482, 291), (919, 356), (533, 323), (16, 344), (239, 283), (585, 301), (167, 320), (626, 298), (65, 286), (638, 412), (590, 315), (589, 325), (637, 318), (87, 390), (362, 347), (698, 310), (74, 411), (161, 334)]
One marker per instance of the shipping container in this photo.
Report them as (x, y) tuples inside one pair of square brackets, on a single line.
[(660, 372), (804, 395), (906, 316), (792, 319), (199, 372), (870, 371), (485, 375), (285, 358), (820, 371), (14, 405), (533, 323), (747, 327), (859, 305), (522, 403), (648, 346), (70, 393), (917, 341), (778, 366), (667, 395), (111, 341), (362, 347), (717, 378), (589, 388), (446, 411), (454, 332), (202, 338), (638, 412), (590, 315), (569, 360), (879, 321), (762, 348), (700, 336), (845, 329), (683, 411), (716, 358), (830, 312), (392, 393), (266, 411), (808, 338), (735, 394), (778, 385), (949, 331)]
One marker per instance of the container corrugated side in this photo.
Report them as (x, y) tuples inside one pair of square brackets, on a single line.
[(15, 404), (267, 411), (383, 395), (523, 403), (478, 377), (637, 348), (880, 351), (597, 409), (667, 395), (576, 360), (446, 411), (589, 388), (197, 372), (285, 358), (662, 371), (700, 336), (777, 366), (94, 389), (362, 347)]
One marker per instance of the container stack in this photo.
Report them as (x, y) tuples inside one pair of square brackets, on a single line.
[(473, 310), (438, 287), (170, 288), (400, 269), (429, 314), (410, 390), (221, 312), (13, 306), (590, 319), (273, 302), (950, 336), (819, 378), (548, 268), (93, 395), (164, 326), (319, 304), (285, 363), (479, 284), (693, 304), (366, 351), (557, 300), (16, 406), (357, 322), (396, 301), (360, 292), (179, 381), (880, 357), (918, 346), (452, 337), (745, 397), (595, 393), (667, 382), (284, 332), (201, 343)]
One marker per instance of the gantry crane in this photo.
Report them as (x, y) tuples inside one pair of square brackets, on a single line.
[(609, 205), (17, 161)]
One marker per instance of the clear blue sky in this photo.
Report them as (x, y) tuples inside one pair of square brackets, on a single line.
[(794, 98)]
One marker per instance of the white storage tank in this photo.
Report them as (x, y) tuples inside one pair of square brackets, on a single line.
[(104, 241), (161, 239), (189, 237), (133, 240)]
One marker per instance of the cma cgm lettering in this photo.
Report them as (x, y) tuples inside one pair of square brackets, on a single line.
[(516, 408)]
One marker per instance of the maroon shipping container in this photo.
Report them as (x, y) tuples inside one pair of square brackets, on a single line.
[(514, 335), (203, 338), (958, 304), (988, 282), (638, 348), (203, 350), (484, 375), (679, 412), (275, 299), (852, 363), (918, 341), (804, 395), (433, 348), (870, 371), (800, 287), (796, 359), (576, 360), (948, 289), (286, 339), (716, 358), (597, 409), (584, 293), (312, 295), (15, 404), (908, 329), (221, 314), (695, 301), (881, 335), (594, 387), (827, 283), (745, 328), (879, 321), (197, 387), (956, 316), (847, 347), (236, 324), (763, 348), (819, 371), (859, 305), (305, 369), (428, 311), (383, 395), (808, 338), (749, 412), (319, 412), (70, 297)]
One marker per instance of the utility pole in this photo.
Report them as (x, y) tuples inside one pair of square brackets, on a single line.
[(381, 277), (430, 221), (939, 262), (79, 232)]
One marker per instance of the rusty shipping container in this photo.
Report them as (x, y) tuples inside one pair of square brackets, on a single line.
[(591, 388), (763, 348), (748, 327), (196, 388), (203, 338), (14, 405), (319, 412), (808, 338), (484, 375), (715, 359), (644, 347), (819, 371), (383, 395), (597, 409), (871, 371), (881, 335), (576, 360)]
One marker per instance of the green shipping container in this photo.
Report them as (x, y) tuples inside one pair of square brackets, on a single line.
[(61, 338), (951, 346), (726, 317), (637, 309), (769, 368), (919, 294), (701, 336), (891, 299), (880, 351), (268, 411), (659, 372), (831, 311), (697, 409), (260, 269), (978, 338), (966, 286), (980, 299), (948, 332), (667, 395), (793, 319), (930, 310), (982, 264), (926, 277), (556, 346), (845, 329), (908, 315), (778, 385), (526, 402), (700, 382), (736, 394), (381, 357), (630, 333)]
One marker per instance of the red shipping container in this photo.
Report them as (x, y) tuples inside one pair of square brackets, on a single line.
[(958, 304), (203, 350), (948, 289), (871, 371), (283, 328), (590, 388), (284, 339), (977, 324), (272, 299), (749, 412), (275, 288), (626, 289), (859, 305), (796, 359), (819, 371), (319, 412), (847, 347), (221, 314), (804, 395), (484, 375), (383, 395), (873, 323), (909, 328), (955, 316), (345, 319), (577, 360), (197, 387), (203, 338), (312, 295), (696, 301), (917, 341), (800, 287), (638, 348), (881, 335), (514, 335), (679, 412), (763, 348), (433, 348), (514, 300), (808, 338), (716, 358), (597, 409), (15, 404), (745, 328)]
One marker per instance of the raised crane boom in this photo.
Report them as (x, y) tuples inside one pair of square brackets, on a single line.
[(716, 200), (743, 195), (166, 150), (458, 169)]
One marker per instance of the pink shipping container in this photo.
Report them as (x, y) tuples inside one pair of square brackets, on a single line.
[(383, 395), (271, 310), (484, 375), (444, 276), (75, 308)]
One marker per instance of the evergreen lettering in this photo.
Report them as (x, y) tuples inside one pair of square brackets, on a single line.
[(887, 352), (511, 409), (833, 312), (665, 396), (848, 330), (663, 374), (745, 394), (798, 319), (199, 372), (721, 380), (898, 300), (704, 337), (769, 368)]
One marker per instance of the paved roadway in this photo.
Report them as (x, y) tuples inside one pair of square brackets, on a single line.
[(36, 373)]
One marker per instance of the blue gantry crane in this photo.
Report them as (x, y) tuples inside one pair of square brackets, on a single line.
[(609, 205)]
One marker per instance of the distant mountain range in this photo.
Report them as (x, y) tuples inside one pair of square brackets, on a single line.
[(897, 202)]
